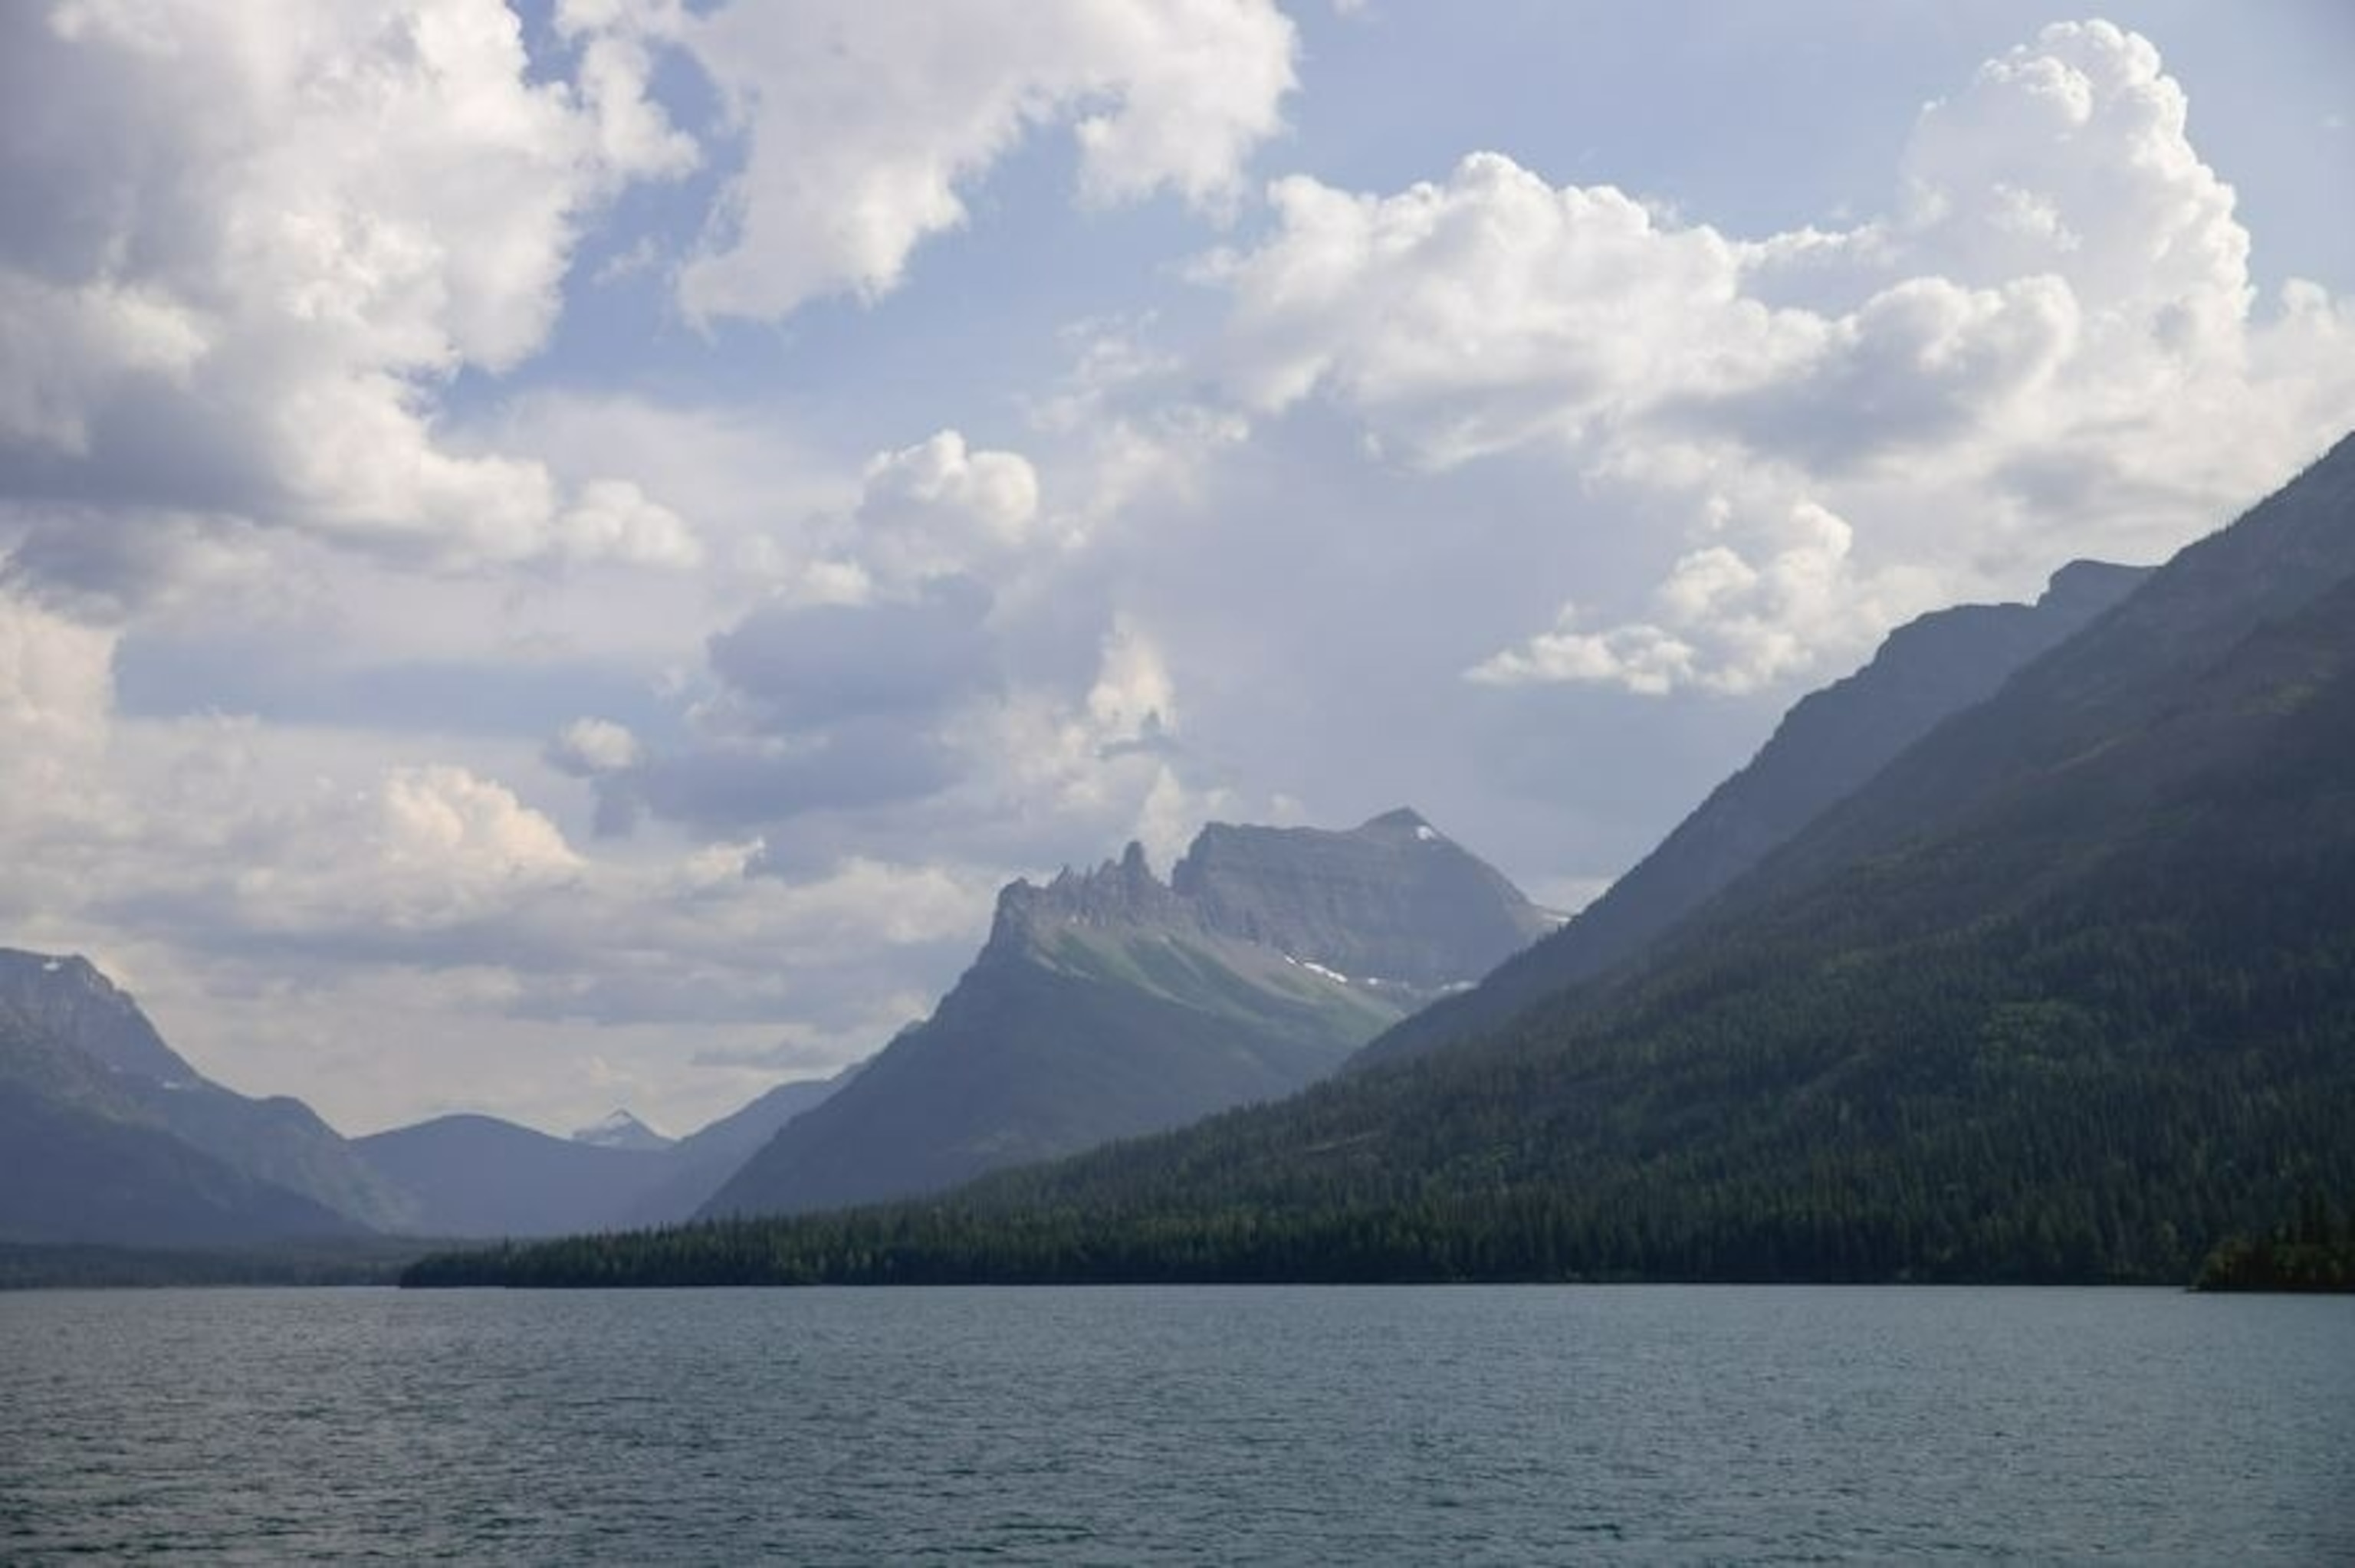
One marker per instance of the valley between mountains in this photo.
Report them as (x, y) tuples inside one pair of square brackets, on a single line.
[(2025, 952)]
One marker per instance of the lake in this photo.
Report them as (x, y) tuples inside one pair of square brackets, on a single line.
[(1179, 1424)]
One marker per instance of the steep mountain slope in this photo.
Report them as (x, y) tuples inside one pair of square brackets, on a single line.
[(1828, 745), (100, 1054), (1112, 1004), (739, 1132), (2067, 991), (68, 1174), (701, 1162), (2115, 679), (66, 1000), (83, 1159)]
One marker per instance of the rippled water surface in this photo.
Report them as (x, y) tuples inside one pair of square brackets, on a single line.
[(1178, 1424)]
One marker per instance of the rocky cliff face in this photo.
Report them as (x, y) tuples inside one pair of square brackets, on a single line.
[(1391, 900), (1392, 903), (1118, 894), (1109, 1003)]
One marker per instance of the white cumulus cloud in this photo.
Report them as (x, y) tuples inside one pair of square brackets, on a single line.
[(420, 848), (864, 122), (941, 507), (587, 747), (281, 229), (2053, 324)]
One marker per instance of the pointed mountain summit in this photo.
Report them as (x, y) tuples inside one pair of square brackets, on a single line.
[(622, 1130), (1108, 1003), (66, 997)]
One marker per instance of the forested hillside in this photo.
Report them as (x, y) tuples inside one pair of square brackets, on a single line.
[(2067, 994)]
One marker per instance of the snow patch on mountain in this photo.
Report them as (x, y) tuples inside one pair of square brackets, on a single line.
[(622, 1130)]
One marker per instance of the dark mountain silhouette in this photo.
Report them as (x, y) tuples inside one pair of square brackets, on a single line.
[(1827, 746)]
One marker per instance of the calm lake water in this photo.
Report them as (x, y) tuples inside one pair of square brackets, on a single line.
[(1418, 1425)]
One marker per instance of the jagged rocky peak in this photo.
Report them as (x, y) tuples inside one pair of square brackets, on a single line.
[(1391, 899), (73, 999), (1123, 892)]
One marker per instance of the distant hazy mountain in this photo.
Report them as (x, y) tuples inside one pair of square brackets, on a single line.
[(480, 1176), (69, 1174), (622, 1130), (82, 1156), (107, 1135), (701, 1162), (84, 1043), (1110, 1003), (1825, 748)]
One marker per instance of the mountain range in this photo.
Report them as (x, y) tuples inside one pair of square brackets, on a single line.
[(110, 1136), (1109, 1003), (481, 1176), (2026, 951), (1103, 1005), (2063, 988)]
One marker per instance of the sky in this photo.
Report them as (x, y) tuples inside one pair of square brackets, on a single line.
[(557, 557)]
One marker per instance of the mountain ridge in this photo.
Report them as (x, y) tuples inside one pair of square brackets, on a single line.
[(1108, 1003), (2290, 549), (1830, 743), (2063, 993), (474, 1175), (86, 1043), (116, 1139)]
